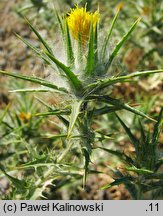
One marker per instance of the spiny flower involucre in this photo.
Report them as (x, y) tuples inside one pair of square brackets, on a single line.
[(79, 22)]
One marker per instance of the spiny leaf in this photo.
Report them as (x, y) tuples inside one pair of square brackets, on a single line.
[(157, 128), (37, 161), (91, 55), (73, 79), (19, 184), (143, 136), (133, 110), (95, 172), (119, 181), (119, 154), (35, 49), (153, 186), (119, 104), (108, 35), (79, 51), (96, 43), (34, 80), (37, 193), (154, 176), (69, 49), (75, 110), (39, 36), (40, 53), (100, 84), (101, 136), (55, 112), (61, 136), (130, 185), (128, 131), (86, 164), (51, 109), (105, 110), (60, 21), (121, 42), (38, 90), (139, 171), (4, 112), (56, 136)]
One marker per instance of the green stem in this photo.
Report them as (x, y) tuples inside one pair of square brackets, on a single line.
[(140, 192), (65, 152)]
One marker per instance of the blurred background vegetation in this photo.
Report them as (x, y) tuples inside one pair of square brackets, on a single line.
[(24, 142)]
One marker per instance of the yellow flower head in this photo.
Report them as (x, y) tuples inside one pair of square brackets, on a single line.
[(24, 116), (79, 22)]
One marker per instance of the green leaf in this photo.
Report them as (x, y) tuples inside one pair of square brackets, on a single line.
[(130, 185), (75, 110), (143, 136), (4, 112), (60, 22), (119, 154), (157, 128), (100, 84), (51, 109), (133, 139), (73, 79), (55, 112), (35, 165), (80, 51), (38, 90), (61, 136), (86, 164), (69, 49), (105, 110), (55, 136), (119, 181), (129, 108), (154, 176), (96, 43), (91, 55), (39, 37), (121, 42), (153, 186), (34, 80), (95, 172), (139, 171), (19, 184), (35, 49), (108, 35), (119, 104), (101, 136)]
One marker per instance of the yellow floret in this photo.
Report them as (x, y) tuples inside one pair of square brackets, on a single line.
[(24, 116), (79, 22)]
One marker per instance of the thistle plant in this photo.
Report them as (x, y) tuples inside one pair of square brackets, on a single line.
[(19, 123), (87, 78), (141, 173)]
